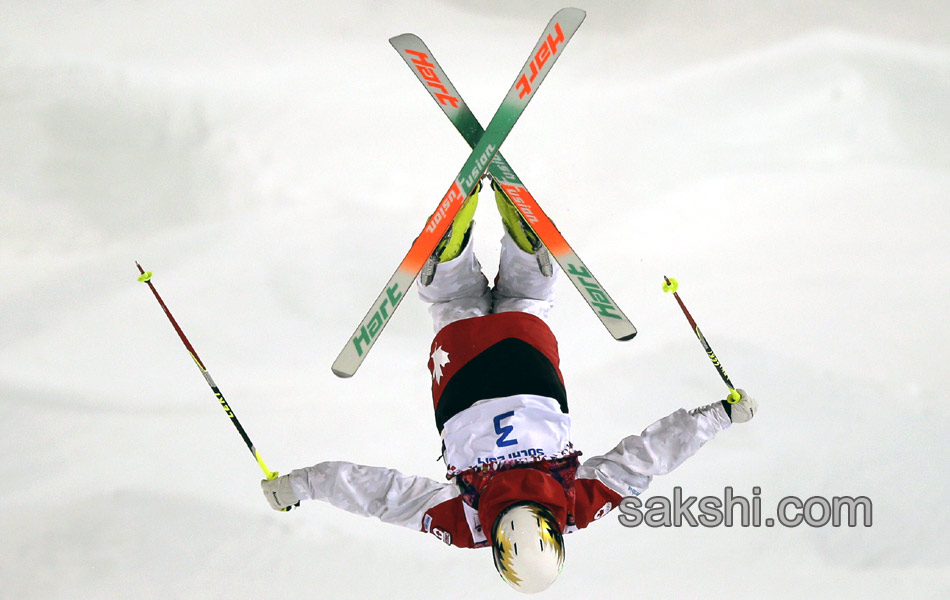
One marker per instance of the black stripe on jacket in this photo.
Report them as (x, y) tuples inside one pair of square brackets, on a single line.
[(510, 367)]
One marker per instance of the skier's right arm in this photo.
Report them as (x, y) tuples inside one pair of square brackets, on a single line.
[(629, 468), (377, 492)]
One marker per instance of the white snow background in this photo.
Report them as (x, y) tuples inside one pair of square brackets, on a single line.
[(787, 161)]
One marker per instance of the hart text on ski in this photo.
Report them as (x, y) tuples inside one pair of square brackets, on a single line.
[(429, 75), (545, 52), (371, 329)]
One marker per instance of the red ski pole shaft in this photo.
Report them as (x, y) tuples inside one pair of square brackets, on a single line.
[(672, 285), (146, 277)]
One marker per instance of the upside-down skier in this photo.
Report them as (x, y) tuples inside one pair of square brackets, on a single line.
[(516, 483)]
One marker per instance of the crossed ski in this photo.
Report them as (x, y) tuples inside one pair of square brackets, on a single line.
[(419, 58), (485, 144)]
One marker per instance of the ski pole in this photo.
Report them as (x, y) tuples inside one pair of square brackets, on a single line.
[(672, 285), (146, 277)]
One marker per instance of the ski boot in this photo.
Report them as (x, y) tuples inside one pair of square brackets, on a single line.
[(519, 231), (455, 238)]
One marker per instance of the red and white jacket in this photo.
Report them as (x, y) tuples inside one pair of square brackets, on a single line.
[(501, 450)]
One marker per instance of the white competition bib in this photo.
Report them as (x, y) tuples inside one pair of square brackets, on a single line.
[(518, 428)]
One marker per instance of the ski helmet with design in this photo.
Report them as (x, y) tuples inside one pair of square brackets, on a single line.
[(527, 547)]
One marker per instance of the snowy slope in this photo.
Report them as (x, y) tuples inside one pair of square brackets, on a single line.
[(788, 162)]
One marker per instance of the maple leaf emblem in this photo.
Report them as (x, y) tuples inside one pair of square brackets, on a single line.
[(440, 358)]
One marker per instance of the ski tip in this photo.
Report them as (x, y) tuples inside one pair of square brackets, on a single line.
[(341, 374), (576, 14), (399, 40), (621, 330)]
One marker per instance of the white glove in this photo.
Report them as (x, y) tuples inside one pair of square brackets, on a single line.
[(280, 495), (743, 410)]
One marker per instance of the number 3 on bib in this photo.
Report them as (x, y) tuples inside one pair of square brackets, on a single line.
[(504, 431)]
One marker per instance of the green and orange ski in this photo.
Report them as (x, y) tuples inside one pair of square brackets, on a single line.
[(419, 58), (548, 49)]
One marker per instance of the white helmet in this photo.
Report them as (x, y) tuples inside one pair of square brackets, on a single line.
[(527, 547)]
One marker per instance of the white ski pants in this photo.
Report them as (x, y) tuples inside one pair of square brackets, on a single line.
[(460, 290)]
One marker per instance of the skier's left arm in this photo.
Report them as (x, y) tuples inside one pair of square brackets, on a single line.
[(377, 492), (630, 466)]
